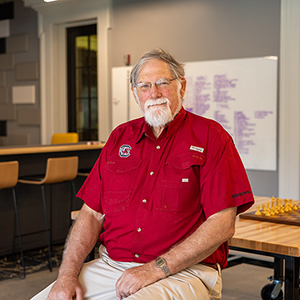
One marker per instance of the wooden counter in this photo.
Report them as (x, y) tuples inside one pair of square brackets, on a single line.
[(49, 148), (32, 161)]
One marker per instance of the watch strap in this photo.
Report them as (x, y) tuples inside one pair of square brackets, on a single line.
[(162, 264)]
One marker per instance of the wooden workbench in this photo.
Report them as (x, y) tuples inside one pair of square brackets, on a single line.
[(272, 239)]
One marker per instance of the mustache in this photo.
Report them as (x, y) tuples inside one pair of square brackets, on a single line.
[(152, 102)]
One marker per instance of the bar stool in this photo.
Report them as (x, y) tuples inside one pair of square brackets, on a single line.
[(9, 172), (58, 170)]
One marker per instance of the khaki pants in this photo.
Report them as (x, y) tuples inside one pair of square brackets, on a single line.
[(98, 279)]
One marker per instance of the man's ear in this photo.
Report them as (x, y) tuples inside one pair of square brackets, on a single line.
[(183, 87)]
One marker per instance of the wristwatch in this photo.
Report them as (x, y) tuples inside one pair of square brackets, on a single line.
[(162, 264)]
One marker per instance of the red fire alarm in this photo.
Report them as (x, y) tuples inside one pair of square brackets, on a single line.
[(127, 59)]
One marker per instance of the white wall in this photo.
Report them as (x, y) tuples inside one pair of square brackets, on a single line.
[(192, 30)]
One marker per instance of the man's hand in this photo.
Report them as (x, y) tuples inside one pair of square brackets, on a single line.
[(80, 242), (66, 288), (136, 278)]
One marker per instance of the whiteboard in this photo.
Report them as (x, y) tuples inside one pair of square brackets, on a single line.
[(240, 94)]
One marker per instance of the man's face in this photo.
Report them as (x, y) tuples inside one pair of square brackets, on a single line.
[(162, 102)]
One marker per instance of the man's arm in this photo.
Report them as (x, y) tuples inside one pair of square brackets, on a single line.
[(217, 229), (81, 241)]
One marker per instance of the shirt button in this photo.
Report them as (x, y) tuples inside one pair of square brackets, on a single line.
[(139, 230), (144, 201), (157, 147), (151, 173), (136, 255)]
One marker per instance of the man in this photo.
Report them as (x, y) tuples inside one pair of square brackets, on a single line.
[(166, 189)]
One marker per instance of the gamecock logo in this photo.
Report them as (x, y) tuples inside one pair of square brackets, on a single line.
[(124, 151)]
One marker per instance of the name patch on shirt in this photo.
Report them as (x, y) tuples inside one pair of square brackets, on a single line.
[(198, 149), (124, 151)]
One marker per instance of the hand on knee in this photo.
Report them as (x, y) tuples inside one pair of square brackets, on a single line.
[(136, 278), (66, 288)]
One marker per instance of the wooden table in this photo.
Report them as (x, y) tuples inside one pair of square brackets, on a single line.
[(272, 239)]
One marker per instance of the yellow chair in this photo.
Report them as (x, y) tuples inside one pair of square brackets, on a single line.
[(65, 138), (58, 170), (9, 172)]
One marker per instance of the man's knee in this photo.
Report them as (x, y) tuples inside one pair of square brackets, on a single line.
[(173, 289)]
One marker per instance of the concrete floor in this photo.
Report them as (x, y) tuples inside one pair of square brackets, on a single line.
[(241, 282)]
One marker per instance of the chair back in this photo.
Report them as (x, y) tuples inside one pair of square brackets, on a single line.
[(9, 173), (65, 138), (60, 169)]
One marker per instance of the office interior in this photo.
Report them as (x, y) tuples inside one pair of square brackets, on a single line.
[(34, 57)]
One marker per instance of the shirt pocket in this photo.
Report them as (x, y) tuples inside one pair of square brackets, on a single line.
[(119, 179), (180, 192), (116, 201), (121, 174)]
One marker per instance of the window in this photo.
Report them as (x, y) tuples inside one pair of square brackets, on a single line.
[(82, 82)]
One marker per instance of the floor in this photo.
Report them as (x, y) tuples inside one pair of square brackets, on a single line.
[(242, 282)]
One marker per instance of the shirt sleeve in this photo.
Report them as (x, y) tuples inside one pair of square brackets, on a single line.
[(224, 182), (91, 190)]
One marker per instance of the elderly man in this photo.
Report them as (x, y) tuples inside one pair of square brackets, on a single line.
[(166, 189)]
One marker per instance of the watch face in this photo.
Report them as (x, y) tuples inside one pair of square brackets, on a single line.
[(160, 261)]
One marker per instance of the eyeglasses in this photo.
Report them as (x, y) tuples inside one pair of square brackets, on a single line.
[(161, 84)]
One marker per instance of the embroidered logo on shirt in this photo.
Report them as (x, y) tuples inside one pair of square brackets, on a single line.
[(124, 151), (240, 194), (197, 149)]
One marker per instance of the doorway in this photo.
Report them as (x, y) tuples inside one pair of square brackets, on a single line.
[(82, 81)]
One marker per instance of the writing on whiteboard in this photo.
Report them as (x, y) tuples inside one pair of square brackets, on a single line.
[(240, 94)]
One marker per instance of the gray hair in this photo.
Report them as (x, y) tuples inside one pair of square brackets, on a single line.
[(176, 68)]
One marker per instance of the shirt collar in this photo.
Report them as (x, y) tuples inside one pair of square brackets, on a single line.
[(169, 130)]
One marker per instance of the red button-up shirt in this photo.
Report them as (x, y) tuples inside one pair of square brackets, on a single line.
[(156, 192)]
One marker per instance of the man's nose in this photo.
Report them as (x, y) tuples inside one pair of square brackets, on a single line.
[(155, 92)]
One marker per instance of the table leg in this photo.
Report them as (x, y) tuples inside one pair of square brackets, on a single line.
[(278, 268), (291, 288)]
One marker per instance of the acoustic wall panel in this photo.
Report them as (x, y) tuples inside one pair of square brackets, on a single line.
[(23, 94)]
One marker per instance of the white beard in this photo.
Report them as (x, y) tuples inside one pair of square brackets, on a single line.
[(158, 114)]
